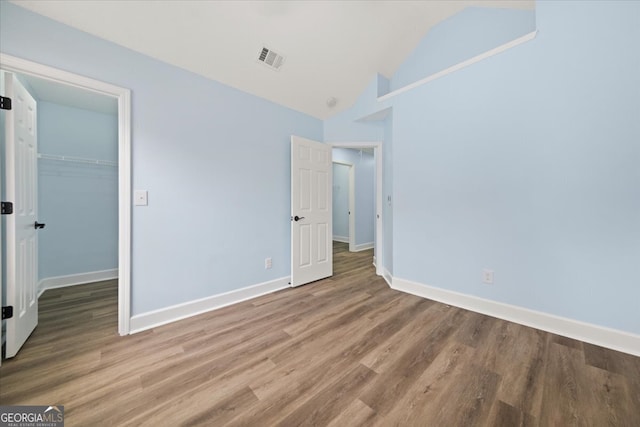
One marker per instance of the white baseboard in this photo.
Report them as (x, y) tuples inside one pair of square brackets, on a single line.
[(594, 334), (152, 319), (341, 239), (364, 246), (76, 279), (387, 277), (374, 262)]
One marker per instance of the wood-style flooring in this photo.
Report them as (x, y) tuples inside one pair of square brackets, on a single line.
[(345, 351)]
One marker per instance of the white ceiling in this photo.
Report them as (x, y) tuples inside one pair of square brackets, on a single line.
[(331, 48)]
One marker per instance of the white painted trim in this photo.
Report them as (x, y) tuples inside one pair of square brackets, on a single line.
[(155, 318), (76, 279), (377, 152), (124, 212), (341, 239), (123, 95), (587, 332), (461, 65), (352, 208), (379, 249), (387, 277), (364, 246), (374, 261)]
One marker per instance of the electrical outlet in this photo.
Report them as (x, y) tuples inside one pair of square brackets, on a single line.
[(267, 263), (140, 198), (487, 276)]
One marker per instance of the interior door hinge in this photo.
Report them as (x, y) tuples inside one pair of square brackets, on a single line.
[(6, 208), (7, 312), (5, 103)]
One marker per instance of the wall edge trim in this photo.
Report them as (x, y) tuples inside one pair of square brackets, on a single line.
[(155, 318), (75, 279), (599, 335), (364, 246), (386, 275)]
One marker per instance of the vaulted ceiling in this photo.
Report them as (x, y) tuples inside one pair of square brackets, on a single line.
[(331, 49)]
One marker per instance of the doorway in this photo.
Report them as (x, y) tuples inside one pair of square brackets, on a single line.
[(77, 184), (311, 211), (376, 147), (122, 97)]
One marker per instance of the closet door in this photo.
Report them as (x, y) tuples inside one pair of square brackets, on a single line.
[(22, 225)]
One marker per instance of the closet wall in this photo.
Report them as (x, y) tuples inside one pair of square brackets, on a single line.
[(341, 202), (78, 199)]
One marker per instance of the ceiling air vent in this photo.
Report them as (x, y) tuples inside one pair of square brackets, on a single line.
[(270, 58)]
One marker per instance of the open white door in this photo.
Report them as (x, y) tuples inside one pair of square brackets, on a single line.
[(22, 251), (311, 211)]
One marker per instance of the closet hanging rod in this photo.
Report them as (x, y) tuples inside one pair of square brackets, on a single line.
[(77, 160)]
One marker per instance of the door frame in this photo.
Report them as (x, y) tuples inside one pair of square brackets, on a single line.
[(351, 203), (378, 256), (123, 96)]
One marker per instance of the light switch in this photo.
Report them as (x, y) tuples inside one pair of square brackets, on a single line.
[(140, 197)]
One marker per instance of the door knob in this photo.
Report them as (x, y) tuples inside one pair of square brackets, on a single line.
[(38, 225), (297, 218)]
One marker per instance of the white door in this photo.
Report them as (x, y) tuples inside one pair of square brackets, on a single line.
[(311, 212), (21, 172)]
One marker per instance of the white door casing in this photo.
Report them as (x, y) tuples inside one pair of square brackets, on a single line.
[(352, 208), (311, 211), (22, 250), (379, 240), (18, 65)]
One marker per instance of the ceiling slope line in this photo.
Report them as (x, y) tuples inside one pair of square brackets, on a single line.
[(461, 65)]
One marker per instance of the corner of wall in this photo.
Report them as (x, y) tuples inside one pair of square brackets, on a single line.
[(384, 85)]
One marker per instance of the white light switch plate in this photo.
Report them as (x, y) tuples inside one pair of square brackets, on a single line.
[(140, 197)]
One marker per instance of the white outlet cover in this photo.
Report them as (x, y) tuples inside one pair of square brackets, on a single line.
[(140, 198), (487, 276)]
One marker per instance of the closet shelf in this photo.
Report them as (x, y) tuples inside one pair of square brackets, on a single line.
[(77, 160)]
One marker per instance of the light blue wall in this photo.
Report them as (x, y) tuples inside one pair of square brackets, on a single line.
[(341, 201), (346, 127), (466, 34), (527, 163), (364, 165), (215, 161), (78, 202)]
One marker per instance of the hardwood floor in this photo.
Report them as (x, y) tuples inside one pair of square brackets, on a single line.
[(344, 351)]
